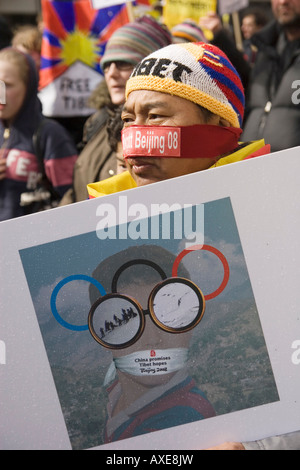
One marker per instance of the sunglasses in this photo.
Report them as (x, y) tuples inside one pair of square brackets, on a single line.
[(175, 305), (120, 65)]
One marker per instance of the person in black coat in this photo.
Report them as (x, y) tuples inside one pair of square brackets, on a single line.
[(273, 104)]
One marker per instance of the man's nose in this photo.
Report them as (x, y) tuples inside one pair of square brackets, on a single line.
[(139, 120)]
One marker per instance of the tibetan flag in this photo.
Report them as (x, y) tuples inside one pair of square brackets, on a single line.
[(74, 40)]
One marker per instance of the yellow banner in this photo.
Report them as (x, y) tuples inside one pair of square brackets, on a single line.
[(176, 11)]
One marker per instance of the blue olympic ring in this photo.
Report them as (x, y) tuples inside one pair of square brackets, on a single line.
[(57, 288)]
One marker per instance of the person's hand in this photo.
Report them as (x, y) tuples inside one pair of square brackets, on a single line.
[(2, 168), (228, 446), (212, 22)]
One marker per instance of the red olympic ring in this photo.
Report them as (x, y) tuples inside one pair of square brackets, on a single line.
[(214, 251)]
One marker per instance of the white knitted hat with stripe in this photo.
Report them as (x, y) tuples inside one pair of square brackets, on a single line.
[(198, 72)]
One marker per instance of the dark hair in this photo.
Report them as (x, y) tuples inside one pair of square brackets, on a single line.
[(261, 18)]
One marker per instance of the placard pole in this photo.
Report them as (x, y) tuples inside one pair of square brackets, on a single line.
[(237, 30)]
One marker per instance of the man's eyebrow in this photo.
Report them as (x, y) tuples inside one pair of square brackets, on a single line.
[(148, 106)]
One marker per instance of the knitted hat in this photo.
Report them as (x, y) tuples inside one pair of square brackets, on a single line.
[(197, 72), (187, 31), (134, 41)]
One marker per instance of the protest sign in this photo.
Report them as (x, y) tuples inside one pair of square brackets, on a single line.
[(188, 286), (231, 6), (100, 4), (176, 11), (74, 40)]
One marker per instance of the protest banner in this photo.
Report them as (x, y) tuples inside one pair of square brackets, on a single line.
[(176, 11), (189, 286), (101, 4), (74, 41), (231, 6)]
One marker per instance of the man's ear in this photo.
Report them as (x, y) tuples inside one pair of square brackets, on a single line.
[(219, 121), (224, 123)]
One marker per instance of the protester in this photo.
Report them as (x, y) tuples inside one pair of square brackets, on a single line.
[(23, 131), (253, 20), (172, 87), (273, 109), (125, 48), (28, 39), (193, 87)]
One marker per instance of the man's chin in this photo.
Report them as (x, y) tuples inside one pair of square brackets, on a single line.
[(144, 178), (143, 181), (290, 21)]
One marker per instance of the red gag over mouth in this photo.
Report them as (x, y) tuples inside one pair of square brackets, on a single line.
[(198, 141)]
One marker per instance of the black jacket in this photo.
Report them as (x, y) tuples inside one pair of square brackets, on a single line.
[(273, 104)]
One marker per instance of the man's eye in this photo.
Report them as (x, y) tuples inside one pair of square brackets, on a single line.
[(126, 119), (155, 116)]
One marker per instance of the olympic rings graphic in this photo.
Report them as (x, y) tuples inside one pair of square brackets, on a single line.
[(56, 290), (218, 254), (102, 291)]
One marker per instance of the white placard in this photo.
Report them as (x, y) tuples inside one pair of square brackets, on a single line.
[(99, 4), (231, 6), (243, 355), (68, 94)]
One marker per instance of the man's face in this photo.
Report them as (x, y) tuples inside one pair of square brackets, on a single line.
[(287, 12), (145, 107), (249, 26)]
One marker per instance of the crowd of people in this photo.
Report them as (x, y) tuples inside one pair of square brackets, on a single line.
[(155, 77), (267, 66)]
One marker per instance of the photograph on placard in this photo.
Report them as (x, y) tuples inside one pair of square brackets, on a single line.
[(149, 325)]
